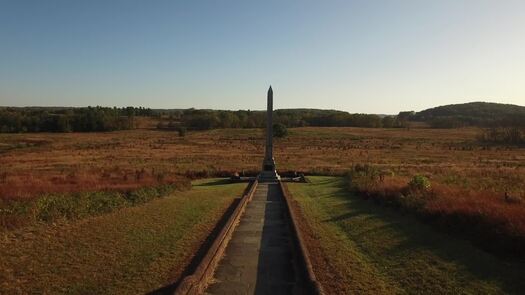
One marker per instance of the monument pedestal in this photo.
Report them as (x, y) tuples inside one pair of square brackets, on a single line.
[(268, 176)]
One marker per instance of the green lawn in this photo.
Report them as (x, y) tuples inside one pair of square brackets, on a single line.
[(130, 251), (372, 249)]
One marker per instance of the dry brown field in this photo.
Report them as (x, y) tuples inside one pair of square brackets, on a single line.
[(32, 164)]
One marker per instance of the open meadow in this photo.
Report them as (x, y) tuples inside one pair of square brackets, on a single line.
[(468, 178), (409, 209), (38, 163)]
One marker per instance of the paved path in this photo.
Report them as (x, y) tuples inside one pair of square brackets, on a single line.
[(259, 257)]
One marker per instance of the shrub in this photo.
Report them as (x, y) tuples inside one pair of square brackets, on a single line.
[(146, 194), (182, 131), (13, 213), (420, 183), (279, 130), (411, 201), (363, 178), (53, 207), (103, 202)]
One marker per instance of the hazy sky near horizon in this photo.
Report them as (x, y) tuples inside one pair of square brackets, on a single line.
[(358, 56)]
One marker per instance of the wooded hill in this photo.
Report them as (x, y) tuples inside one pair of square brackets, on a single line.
[(481, 114)]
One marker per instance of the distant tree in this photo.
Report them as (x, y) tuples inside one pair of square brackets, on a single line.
[(63, 124), (182, 131), (68, 119), (171, 124), (388, 122), (279, 130), (503, 135)]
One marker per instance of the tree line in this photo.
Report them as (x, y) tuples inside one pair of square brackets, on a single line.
[(92, 119), (87, 119), (211, 119), (503, 135), (44, 119)]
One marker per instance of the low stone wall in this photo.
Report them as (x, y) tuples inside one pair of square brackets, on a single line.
[(197, 282), (312, 285)]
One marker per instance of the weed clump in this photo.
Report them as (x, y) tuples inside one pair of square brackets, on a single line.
[(363, 178), (420, 183)]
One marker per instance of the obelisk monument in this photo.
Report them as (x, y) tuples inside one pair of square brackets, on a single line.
[(268, 172)]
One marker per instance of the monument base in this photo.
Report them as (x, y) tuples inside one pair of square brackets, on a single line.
[(268, 176)]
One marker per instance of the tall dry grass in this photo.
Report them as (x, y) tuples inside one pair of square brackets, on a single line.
[(31, 184)]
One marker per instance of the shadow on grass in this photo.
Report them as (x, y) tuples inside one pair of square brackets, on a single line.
[(212, 182), (199, 255), (417, 237)]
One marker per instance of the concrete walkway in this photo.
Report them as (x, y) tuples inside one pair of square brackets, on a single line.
[(259, 258)]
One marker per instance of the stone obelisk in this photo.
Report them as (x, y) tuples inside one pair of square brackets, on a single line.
[(268, 172)]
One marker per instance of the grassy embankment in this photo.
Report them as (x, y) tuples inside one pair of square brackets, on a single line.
[(132, 250), (364, 248)]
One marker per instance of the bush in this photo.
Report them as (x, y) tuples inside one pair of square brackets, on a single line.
[(182, 131), (363, 178), (53, 207), (103, 202), (419, 182), (411, 201), (279, 130)]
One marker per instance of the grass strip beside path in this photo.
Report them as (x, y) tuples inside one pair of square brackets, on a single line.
[(367, 248), (130, 251)]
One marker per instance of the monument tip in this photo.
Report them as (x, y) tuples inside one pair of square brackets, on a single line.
[(270, 89)]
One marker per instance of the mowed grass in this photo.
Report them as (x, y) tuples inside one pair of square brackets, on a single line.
[(366, 248), (130, 251)]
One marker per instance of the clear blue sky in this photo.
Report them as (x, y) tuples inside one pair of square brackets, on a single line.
[(358, 56)]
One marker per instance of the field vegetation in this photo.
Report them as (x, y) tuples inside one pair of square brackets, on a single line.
[(359, 247), (477, 188), (133, 250), (50, 208), (33, 164), (491, 222)]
